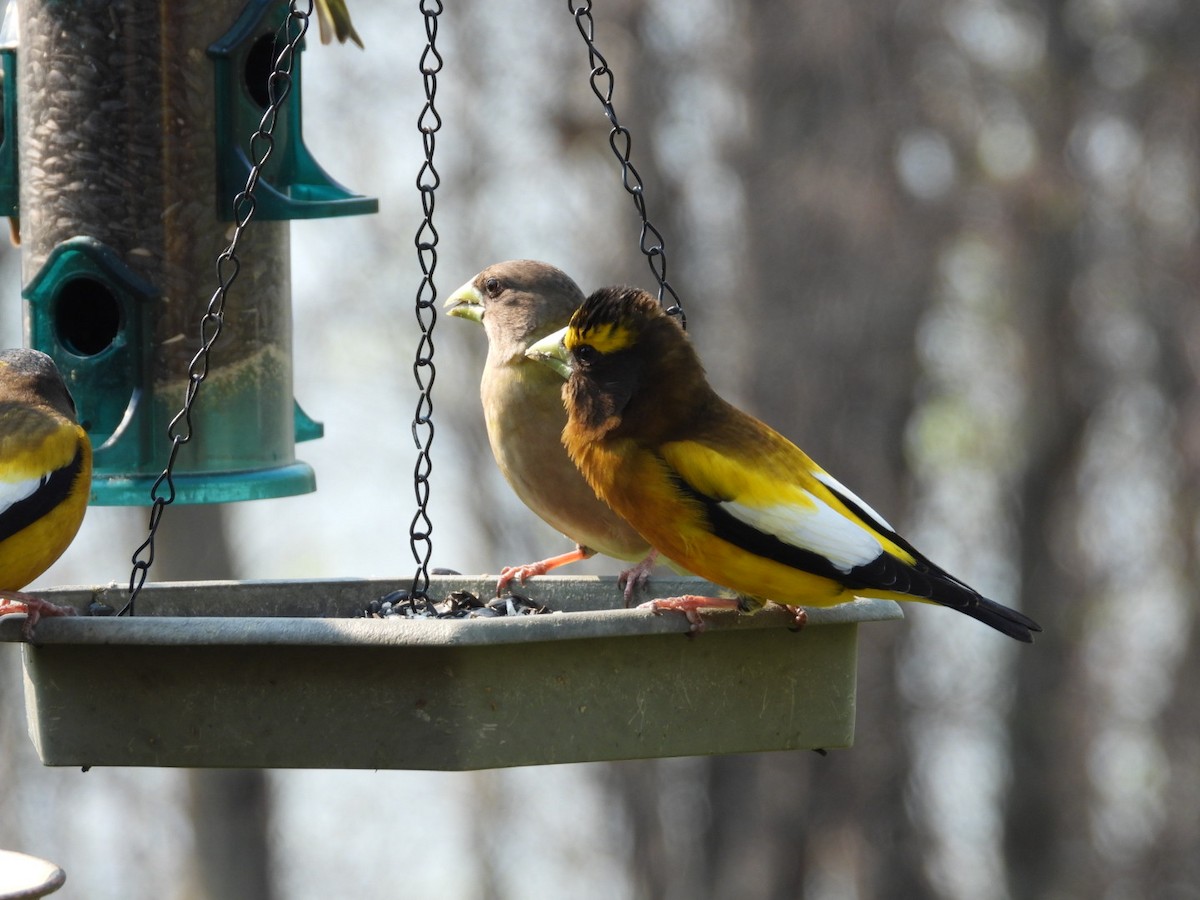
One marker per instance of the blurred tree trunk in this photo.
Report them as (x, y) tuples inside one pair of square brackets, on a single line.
[(1171, 122), (1048, 800), (230, 809), (1092, 261), (1048, 740), (1173, 862)]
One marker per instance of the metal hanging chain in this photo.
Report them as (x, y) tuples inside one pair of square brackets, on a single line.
[(651, 242), (262, 143), (429, 122)]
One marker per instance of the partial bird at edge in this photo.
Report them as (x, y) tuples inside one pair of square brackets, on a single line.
[(45, 478)]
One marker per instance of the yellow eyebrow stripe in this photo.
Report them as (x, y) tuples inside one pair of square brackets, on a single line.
[(605, 338)]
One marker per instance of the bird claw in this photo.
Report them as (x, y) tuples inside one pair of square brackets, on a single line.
[(690, 605), (519, 573), (33, 607), (529, 570), (659, 606), (635, 577)]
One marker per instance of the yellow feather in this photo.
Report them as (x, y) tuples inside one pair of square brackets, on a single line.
[(33, 444), (765, 471), (607, 337), (29, 552)]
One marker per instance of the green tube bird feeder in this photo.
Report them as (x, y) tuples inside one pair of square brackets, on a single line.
[(127, 177)]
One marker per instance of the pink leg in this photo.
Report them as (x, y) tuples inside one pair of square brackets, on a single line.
[(690, 605), (636, 576), (521, 573), (33, 607)]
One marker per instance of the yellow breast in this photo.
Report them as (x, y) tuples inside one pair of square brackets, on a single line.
[(26, 553)]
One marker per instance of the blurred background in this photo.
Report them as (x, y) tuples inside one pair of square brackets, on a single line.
[(948, 246)]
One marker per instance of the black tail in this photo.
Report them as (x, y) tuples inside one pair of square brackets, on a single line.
[(1009, 621), (922, 581), (950, 592), (927, 581)]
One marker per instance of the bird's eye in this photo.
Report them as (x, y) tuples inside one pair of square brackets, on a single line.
[(586, 354), (492, 286)]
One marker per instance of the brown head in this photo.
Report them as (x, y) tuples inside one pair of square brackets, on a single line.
[(517, 302)]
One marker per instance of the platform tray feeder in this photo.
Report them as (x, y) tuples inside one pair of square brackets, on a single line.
[(283, 675)]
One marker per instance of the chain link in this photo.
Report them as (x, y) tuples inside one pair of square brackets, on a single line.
[(429, 122), (262, 144), (621, 142)]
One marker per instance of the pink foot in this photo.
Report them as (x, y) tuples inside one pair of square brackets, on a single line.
[(690, 605), (636, 576), (33, 607)]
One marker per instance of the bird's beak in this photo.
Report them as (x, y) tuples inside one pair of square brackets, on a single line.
[(465, 303), (551, 351)]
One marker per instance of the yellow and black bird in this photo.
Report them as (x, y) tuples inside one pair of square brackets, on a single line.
[(333, 17), (517, 302), (718, 491), (45, 477)]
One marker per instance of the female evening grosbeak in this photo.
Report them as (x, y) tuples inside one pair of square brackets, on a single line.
[(518, 301), (45, 477), (716, 490)]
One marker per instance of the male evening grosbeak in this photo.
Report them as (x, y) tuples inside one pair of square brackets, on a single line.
[(517, 302), (45, 477), (716, 490)]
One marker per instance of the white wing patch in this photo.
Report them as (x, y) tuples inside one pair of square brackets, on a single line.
[(12, 492), (812, 526), (838, 488)]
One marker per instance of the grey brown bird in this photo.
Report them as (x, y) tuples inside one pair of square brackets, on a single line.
[(517, 302)]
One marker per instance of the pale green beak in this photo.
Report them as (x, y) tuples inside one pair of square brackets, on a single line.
[(551, 351), (465, 303)]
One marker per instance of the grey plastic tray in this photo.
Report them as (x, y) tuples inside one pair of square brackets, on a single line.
[(278, 674)]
